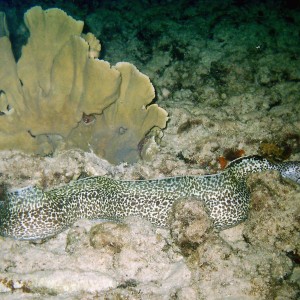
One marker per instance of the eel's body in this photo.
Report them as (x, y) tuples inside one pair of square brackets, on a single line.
[(30, 213)]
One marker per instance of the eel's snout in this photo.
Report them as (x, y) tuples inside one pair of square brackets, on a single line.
[(290, 170)]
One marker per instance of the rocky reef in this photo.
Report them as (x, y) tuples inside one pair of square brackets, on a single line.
[(227, 72)]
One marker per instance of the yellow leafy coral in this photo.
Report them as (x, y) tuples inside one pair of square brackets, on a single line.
[(59, 95)]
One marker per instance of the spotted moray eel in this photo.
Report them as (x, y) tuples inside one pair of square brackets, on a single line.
[(31, 213)]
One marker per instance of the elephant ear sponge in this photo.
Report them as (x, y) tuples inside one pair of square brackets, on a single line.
[(116, 133), (60, 95)]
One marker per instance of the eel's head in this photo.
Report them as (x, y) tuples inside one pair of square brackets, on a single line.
[(290, 170)]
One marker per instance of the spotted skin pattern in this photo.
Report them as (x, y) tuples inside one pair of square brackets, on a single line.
[(31, 213)]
